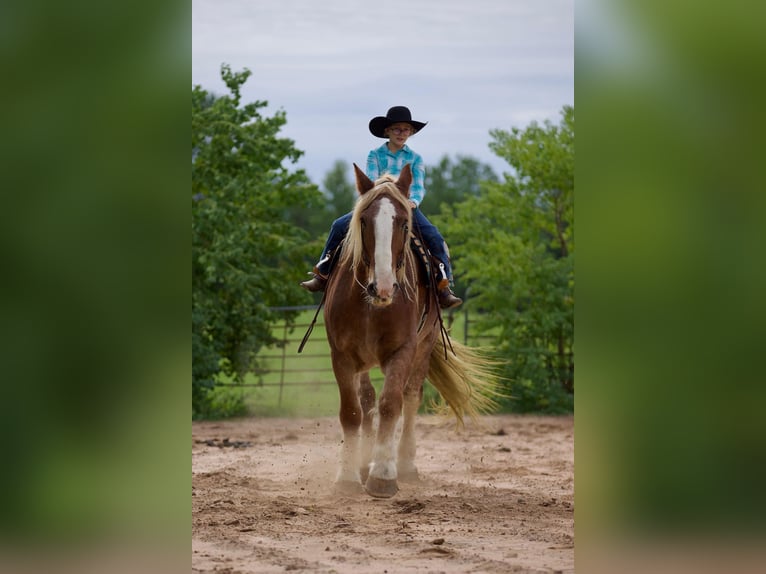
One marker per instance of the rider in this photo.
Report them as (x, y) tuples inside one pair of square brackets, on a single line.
[(397, 125)]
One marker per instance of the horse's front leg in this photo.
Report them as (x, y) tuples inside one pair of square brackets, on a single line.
[(381, 482), (348, 480), (413, 396), (405, 464), (367, 397)]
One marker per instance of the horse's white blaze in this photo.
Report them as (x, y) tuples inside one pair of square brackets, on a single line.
[(384, 233)]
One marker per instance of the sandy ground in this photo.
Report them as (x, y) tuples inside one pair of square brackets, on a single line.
[(496, 497)]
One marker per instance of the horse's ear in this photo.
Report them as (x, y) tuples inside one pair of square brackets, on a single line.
[(363, 183), (405, 180)]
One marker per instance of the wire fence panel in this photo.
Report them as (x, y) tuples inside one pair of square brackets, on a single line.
[(283, 366)]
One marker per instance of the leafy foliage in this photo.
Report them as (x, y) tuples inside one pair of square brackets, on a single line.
[(339, 190), (245, 253), (516, 254), (451, 182), (339, 194)]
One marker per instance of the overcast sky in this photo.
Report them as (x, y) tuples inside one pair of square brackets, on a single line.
[(465, 67)]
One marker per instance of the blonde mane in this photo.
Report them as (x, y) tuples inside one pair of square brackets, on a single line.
[(351, 254)]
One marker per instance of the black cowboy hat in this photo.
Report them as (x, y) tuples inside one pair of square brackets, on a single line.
[(395, 115)]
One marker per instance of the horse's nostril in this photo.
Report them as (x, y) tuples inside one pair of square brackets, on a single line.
[(372, 289)]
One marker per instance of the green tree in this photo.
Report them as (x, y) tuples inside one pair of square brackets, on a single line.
[(244, 253), (339, 190), (517, 256), (451, 182), (338, 194)]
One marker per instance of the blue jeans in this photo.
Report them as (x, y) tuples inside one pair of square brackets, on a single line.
[(433, 240)]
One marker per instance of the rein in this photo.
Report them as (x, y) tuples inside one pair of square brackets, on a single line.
[(313, 322), (305, 339), (417, 240)]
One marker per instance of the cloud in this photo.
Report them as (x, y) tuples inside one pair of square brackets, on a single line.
[(466, 68)]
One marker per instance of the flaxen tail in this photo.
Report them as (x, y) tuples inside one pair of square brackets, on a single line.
[(465, 380)]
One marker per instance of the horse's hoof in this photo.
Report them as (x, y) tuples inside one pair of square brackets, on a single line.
[(348, 488), (409, 475), (381, 487), (364, 472)]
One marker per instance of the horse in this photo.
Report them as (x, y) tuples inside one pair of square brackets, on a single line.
[(381, 312)]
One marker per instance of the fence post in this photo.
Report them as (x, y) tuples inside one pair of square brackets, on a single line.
[(465, 326), (465, 311), (284, 358)]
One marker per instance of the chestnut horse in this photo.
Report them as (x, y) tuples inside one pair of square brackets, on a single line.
[(380, 311)]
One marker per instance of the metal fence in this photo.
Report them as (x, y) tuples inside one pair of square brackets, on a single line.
[(282, 366)]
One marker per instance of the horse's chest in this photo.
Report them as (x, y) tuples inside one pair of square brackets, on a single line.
[(371, 340)]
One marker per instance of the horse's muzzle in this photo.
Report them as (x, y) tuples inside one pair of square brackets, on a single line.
[(383, 298)]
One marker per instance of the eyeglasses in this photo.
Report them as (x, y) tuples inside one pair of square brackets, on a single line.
[(400, 131)]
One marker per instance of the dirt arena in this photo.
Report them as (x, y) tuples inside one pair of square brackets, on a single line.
[(496, 497)]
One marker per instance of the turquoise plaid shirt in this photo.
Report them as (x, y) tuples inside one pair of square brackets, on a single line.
[(381, 161)]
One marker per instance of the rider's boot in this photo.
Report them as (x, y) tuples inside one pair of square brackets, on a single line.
[(447, 299), (317, 283), (320, 273)]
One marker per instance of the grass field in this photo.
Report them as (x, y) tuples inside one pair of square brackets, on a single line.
[(303, 384)]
